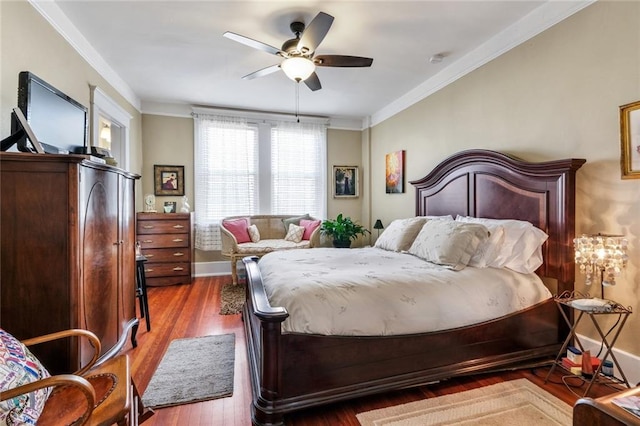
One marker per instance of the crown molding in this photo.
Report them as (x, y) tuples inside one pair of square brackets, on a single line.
[(59, 21), (539, 20)]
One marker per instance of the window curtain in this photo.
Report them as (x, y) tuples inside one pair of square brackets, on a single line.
[(225, 174), (299, 168)]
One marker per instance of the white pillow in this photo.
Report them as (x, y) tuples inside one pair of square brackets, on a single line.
[(521, 250), (294, 233), (489, 250), (400, 233), (254, 233), (448, 243)]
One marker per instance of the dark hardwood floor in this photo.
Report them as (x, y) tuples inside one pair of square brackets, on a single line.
[(192, 310)]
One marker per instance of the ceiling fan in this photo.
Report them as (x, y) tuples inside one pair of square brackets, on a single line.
[(300, 62)]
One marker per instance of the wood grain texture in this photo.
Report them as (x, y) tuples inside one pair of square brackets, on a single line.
[(192, 310)]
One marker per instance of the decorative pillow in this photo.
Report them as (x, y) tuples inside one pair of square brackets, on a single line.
[(239, 229), (488, 250), (400, 234), (294, 233), (521, 249), (448, 243), (295, 220), (18, 367), (254, 233), (309, 227)]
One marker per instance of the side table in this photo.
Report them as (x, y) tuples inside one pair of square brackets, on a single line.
[(570, 301)]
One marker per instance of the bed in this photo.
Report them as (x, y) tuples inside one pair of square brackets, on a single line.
[(293, 370)]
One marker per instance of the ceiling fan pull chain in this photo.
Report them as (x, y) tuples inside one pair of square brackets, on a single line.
[(298, 101)]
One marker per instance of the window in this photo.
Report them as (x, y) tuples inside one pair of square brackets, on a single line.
[(247, 167)]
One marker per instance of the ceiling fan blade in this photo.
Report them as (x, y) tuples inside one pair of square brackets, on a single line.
[(313, 82), (252, 43), (315, 32), (262, 72), (342, 61)]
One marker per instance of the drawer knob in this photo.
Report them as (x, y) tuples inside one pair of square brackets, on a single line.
[(148, 241), (178, 254), (148, 256), (178, 268), (178, 226), (178, 240), (148, 227), (149, 270)]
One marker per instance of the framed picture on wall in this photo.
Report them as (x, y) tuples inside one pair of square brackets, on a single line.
[(169, 180), (345, 181), (630, 140), (394, 172)]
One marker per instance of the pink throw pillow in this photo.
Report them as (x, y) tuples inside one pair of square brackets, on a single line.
[(309, 227), (239, 228)]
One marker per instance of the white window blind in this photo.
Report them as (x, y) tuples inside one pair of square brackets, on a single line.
[(225, 174), (232, 172), (298, 169)]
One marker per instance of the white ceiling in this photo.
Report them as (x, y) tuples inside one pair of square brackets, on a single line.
[(173, 52)]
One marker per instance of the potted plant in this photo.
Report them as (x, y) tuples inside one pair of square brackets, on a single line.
[(343, 230)]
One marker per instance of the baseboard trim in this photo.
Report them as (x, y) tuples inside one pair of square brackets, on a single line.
[(212, 269), (629, 362)]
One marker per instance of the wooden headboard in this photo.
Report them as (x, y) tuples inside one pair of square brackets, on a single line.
[(482, 183)]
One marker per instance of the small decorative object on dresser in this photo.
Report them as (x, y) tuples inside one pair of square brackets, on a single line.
[(165, 241), (150, 203), (169, 206)]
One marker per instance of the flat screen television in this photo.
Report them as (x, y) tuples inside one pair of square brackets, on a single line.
[(58, 121)]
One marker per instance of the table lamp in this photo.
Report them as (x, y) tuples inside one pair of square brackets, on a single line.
[(602, 253), (378, 225)]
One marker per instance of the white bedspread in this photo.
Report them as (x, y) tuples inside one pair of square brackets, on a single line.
[(373, 292)]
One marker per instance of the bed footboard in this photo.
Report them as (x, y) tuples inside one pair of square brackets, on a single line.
[(290, 372)]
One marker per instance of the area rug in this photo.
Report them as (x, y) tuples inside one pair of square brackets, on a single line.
[(232, 299), (192, 370), (518, 402)]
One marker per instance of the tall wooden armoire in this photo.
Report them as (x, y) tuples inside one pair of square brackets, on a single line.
[(68, 253)]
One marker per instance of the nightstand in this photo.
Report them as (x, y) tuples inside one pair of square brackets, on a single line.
[(576, 303)]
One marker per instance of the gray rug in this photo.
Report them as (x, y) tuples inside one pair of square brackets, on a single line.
[(232, 299), (192, 370)]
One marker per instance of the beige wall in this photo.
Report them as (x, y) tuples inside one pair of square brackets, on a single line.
[(29, 43), (556, 96), (169, 140)]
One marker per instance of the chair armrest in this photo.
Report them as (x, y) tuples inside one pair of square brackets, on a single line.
[(75, 332), (229, 242), (53, 381)]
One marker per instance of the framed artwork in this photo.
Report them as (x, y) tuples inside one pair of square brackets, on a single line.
[(345, 181), (169, 180), (394, 172), (630, 140), (170, 206)]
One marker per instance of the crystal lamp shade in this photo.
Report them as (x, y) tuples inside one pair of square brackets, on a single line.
[(603, 254), (298, 68)]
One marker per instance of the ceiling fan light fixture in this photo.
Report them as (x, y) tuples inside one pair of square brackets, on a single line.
[(298, 68)]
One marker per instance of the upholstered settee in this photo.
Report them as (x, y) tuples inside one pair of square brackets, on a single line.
[(261, 234)]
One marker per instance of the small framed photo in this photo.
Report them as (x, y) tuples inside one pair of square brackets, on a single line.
[(630, 140), (169, 206), (169, 180), (345, 181)]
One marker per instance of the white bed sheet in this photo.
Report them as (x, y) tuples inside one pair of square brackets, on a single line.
[(374, 292)]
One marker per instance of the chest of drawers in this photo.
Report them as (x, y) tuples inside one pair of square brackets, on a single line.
[(165, 240)]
